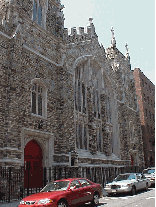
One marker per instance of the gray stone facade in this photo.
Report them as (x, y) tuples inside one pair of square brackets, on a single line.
[(85, 94)]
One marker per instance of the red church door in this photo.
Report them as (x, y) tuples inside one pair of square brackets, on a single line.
[(132, 161), (33, 172)]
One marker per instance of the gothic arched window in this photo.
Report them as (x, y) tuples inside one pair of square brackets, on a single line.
[(38, 9), (80, 92), (40, 15), (38, 99), (85, 138), (35, 11), (131, 131)]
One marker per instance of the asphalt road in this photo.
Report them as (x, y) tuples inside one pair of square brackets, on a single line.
[(141, 199)]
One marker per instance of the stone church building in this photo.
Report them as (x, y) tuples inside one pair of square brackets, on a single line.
[(64, 98)]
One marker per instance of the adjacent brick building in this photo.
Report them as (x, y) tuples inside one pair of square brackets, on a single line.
[(145, 91), (63, 95)]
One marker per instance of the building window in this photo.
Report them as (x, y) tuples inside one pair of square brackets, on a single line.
[(37, 12), (94, 103), (151, 103), (83, 96), (38, 99), (40, 15), (146, 112), (131, 130), (80, 137), (80, 92), (99, 140), (77, 136), (98, 105), (79, 96), (75, 95), (85, 138), (143, 82)]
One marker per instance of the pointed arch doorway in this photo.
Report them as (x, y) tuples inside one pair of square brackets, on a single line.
[(33, 172)]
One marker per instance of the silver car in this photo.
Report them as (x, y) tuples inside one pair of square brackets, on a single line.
[(150, 174), (128, 182)]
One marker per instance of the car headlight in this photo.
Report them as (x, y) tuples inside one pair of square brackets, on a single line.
[(22, 202), (108, 186), (45, 201)]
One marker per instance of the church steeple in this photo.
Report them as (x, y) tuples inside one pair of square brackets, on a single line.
[(127, 53), (113, 41)]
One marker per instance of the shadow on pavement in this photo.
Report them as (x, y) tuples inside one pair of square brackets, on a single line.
[(129, 194)]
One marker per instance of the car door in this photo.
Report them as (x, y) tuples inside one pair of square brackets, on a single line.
[(86, 191), (75, 195), (144, 181), (139, 182)]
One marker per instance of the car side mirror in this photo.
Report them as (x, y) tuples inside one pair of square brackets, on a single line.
[(72, 188)]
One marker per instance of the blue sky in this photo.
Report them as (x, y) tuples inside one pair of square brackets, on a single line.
[(133, 22)]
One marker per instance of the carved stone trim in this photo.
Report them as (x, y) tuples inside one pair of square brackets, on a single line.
[(45, 140)]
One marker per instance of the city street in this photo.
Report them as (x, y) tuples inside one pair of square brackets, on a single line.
[(141, 199)]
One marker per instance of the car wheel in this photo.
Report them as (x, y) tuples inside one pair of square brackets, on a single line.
[(146, 187), (133, 191), (95, 200), (62, 204)]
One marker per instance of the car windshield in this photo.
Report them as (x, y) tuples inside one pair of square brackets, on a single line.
[(125, 177), (56, 186), (149, 171)]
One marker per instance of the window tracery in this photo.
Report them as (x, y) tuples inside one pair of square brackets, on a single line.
[(39, 8), (38, 99), (82, 81)]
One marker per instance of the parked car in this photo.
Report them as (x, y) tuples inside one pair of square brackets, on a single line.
[(66, 192), (150, 174), (128, 182)]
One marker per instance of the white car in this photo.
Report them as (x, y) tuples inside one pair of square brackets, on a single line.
[(128, 182), (150, 174)]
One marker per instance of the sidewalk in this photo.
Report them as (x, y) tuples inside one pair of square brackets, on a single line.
[(12, 204)]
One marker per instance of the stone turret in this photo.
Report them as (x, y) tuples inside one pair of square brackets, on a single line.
[(79, 34), (113, 41), (127, 53)]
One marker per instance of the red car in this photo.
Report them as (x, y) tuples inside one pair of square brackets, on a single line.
[(66, 192)]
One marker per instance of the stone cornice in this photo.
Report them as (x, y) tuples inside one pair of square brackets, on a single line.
[(5, 35), (44, 57)]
